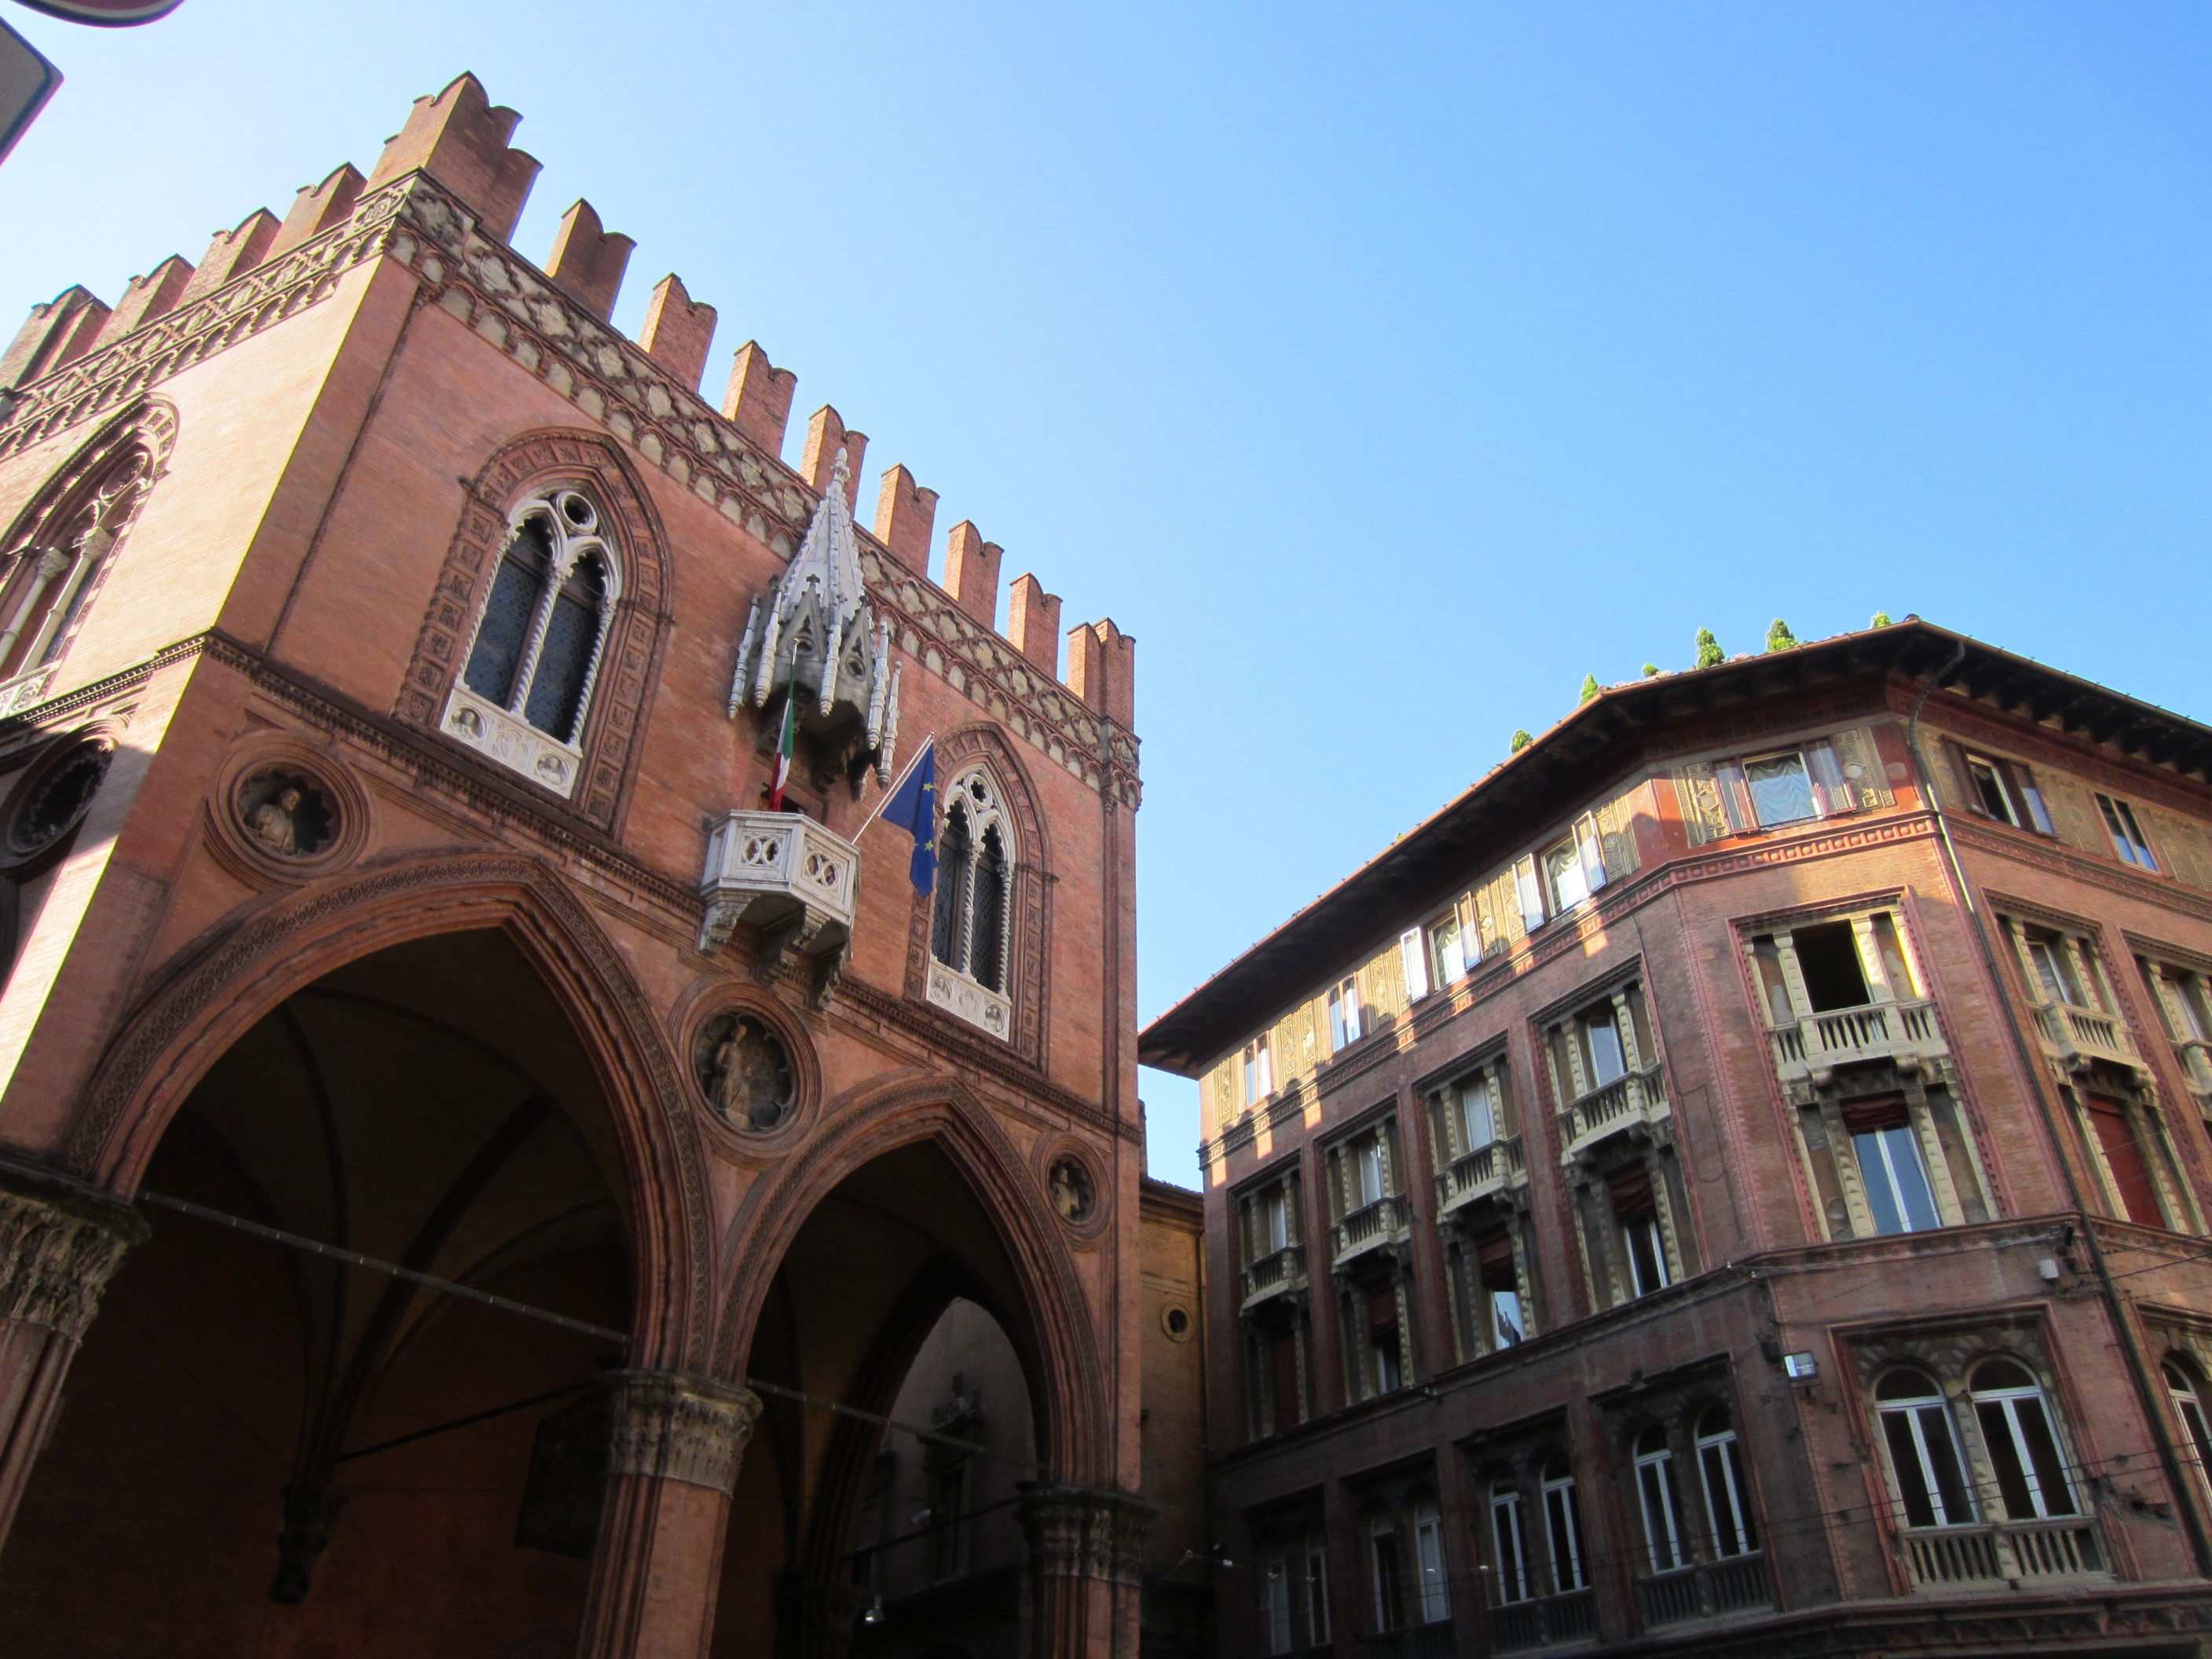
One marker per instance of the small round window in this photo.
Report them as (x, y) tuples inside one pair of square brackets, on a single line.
[(1178, 1324), (57, 800)]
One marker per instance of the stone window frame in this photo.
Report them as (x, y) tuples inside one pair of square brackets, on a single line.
[(1950, 1350), (1516, 1456), (1677, 1404), (139, 441), (1291, 1539), (1471, 1340), (2183, 1335), (1254, 1336), (1399, 1506), (2089, 958), (1392, 1261), (1029, 883), (2157, 960), (1931, 1088), (632, 641)]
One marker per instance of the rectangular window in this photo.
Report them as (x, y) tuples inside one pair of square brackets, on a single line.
[(1447, 946), (1478, 1112), (1563, 1526), (1635, 1208), (1344, 1024), (1415, 961), (1498, 1277), (1509, 1543), (1891, 1168), (1828, 958), (1370, 1173), (2127, 838), (1279, 1575), (1275, 1219), (1662, 1525), (1387, 1564), (1780, 788), (1924, 1453), (1387, 1372), (1259, 1072), (2049, 954), (1316, 1593), (1530, 888), (1429, 1554), (1603, 1053)]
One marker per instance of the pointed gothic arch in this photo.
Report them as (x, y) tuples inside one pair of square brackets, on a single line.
[(219, 988), (1052, 1330), (531, 466)]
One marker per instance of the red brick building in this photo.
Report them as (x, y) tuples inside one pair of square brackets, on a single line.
[(393, 658), (1733, 1181)]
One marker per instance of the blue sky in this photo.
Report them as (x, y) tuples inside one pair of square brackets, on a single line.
[(1383, 369)]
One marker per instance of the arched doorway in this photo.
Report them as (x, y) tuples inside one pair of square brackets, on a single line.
[(263, 1449), (899, 1281)]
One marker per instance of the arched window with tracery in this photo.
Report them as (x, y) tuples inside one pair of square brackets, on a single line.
[(970, 923), (525, 690), (59, 566)]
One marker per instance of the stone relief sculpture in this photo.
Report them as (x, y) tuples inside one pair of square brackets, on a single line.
[(743, 1072), (1070, 1187), (285, 815)]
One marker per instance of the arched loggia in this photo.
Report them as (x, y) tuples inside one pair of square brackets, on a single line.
[(845, 1266)]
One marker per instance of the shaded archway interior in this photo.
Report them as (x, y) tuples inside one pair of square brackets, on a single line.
[(429, 1105), (874, 1282)]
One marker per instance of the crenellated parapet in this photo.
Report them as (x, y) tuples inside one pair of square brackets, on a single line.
[(441, 201)]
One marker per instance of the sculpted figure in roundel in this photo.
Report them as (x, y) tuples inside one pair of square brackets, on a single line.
[(743, 1072), (1070, 1187), (286, 815)]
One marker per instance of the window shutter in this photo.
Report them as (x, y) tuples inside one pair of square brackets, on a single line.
[(1632, 1193), (1531, 891), (2038, 815), (1493, 1260), (1416, 956), (1831, 794), (1959, 785), (1591, 851), (1864, 1117)]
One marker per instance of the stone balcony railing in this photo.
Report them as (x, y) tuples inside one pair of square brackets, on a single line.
[(1569, 1618), (1371, 1227), (1705, 1591), (1844, 1036), (2076, 1036), (1636, 1097), (787, 875), (1280, 1273), (2002, 1553), (1481, 1172)]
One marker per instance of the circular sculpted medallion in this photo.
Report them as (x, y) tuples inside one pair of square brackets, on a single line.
[(1072, 1195), (285, 815), (743, 1068)]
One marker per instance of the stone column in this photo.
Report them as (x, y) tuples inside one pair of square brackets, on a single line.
[(61, 1241), (672, 1461), (1086, 1557)]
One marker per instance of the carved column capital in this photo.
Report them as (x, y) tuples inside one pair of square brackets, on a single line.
[(1085, 1532), (671, 1425), (61, 1241)]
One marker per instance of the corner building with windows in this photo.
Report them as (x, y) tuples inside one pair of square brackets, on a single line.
[(474, 1179), (1734, 1182)]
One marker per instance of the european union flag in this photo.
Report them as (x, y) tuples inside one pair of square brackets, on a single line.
[(913, 809)]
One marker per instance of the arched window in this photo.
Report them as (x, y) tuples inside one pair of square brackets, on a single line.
[(1509, 1544), (973, 866), (1662, 1507), (539, 640), (1924, 1463), (1727, 1499), (2023, 1450), (1563, 1526), (2186, 1388), (61, 566)]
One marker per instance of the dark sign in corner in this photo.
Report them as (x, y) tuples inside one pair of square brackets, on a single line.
[(27, 80)]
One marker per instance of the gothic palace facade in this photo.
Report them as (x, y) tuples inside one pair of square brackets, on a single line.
[(473, 1180), (1734, 1182)]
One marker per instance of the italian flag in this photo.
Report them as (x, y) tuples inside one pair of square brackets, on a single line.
[(784, 742)]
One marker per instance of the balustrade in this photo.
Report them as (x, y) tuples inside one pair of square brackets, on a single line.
[(1634, 1097), (1844, 1036), (2078, 1035), (2002, 1553), (1569, 1618), (1369, 1227), (783, 873), (1280, 1273), (1479, 1174), (1705, 1590)]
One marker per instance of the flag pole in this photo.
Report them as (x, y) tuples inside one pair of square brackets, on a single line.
[(897, 784)]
